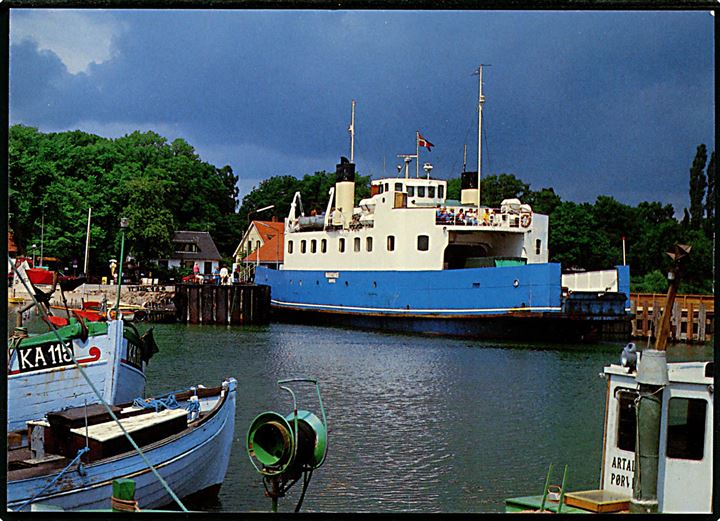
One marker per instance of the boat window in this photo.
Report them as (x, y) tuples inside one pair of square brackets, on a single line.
[(686, 428), (387, 187), (411, 191), (290, 246), (398, 187), (313, 246), (368, 244), (323, 246), (626, 420), (421, 191), (341, 245), (431, 191), (303, 246), (380, 189), (423, 243), (391, 243), (356, 244), (441, 191), (538, 245)]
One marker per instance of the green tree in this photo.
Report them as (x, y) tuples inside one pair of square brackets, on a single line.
[(495, 188), (544, 201), (710, 197), (576, 240), (698, 183)]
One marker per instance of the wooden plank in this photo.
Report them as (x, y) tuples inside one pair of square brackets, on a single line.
[(690, 325), (702, 319), (676, 319), (103, 432)]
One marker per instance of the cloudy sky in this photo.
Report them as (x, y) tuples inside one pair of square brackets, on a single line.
[(589, 103)]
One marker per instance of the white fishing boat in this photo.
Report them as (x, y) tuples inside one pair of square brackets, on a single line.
[(42, 376), (73, 456)]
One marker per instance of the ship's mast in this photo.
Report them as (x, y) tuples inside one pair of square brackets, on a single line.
[(481, 100), (351, 129)]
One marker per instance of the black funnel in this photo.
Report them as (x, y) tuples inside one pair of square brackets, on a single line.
[(345, 171)]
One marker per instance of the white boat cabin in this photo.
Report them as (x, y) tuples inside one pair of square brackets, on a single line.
[(409, 224), (685, 466)]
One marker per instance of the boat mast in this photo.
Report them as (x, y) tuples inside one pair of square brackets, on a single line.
[(42, 235), (351, 129), (481, 100), (87, 243)]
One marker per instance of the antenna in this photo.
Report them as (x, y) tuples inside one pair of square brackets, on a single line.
[(351, 129)]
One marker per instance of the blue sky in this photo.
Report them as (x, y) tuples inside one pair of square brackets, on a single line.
[(590, 103)]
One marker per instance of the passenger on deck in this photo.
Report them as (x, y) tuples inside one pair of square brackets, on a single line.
[(460, 217)]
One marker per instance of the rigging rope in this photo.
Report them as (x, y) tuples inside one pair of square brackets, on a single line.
[(56, 478)]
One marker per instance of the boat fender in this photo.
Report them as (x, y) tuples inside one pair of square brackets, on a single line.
[(525, 220)]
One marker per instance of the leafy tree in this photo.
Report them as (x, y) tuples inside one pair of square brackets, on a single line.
[(698, 183), (576, 240), (710, 197), (495, 188), (545, 201)]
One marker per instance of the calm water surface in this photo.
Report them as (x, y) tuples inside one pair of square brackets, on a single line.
[(416, 424)]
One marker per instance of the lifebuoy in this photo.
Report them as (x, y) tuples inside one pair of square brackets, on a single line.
[(525, 220)]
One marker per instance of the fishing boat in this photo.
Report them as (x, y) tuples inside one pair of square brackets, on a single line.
[(74, 455), (658, 438), (408, 259), (42, 376)]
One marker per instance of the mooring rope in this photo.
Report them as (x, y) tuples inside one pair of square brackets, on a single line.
[(56, 478), (97, 393)]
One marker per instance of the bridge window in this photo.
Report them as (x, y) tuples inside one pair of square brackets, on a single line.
[(313, 246), (421, 191), (290, 247), (441, 191), (398, 187), (411, 191), (356, 244), (431, 191), (341, 245), (303, 246), (323, 245), (626, 420), (423, 243), (390, 243), (686, 428), (368, 243)]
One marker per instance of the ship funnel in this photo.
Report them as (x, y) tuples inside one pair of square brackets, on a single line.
[(469, 193), (344, 192)]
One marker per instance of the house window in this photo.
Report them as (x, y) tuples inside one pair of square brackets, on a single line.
[(390, 243), (686, 428), (313, 246), (257, 245), (421, 191), (398, 187), (431, 191), (290, 247), (626, 420), (356, 244), (441, 191), (411, 191), (538, 245), (368, 244), (303, 246), (341, 245), (423, 243), (207, 267), (323, 245)]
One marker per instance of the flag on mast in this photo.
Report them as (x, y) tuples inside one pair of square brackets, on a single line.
[(422, 142)]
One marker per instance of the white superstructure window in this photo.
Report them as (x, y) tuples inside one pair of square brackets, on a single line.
[(290, 247), (398, 187), (441, 191), (368, 243), (356, 244), (303, 246), (313, 246), (341, 245), (411, 191), (423, 243), (390, 243), (538, 246), (421, 191), (323, 246), (431, 191)]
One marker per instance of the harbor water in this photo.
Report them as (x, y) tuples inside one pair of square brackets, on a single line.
[(416, 424)]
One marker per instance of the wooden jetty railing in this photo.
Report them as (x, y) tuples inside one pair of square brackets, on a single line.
[(210, 304), (692, 318)]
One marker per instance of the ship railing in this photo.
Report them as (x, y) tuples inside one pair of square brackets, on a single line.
[(485, 218)]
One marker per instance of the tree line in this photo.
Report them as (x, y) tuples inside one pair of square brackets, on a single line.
[(165, 186)]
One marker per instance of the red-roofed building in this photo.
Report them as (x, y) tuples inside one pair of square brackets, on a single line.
[(262, 244), (12, 248)]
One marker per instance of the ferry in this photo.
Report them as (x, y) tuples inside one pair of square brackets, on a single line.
[(407, 259)]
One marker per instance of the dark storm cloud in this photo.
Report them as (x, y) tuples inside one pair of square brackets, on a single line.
[(590, 103)]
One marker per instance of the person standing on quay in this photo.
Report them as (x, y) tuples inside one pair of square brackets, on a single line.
[(223, 276)]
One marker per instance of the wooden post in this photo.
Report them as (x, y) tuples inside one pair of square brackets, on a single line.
[(702, 318), (633, 310), (690, 335), (123, 495), (221, 308), (676, 318), (194, 304)]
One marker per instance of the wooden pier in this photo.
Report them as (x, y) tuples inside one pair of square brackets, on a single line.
[(692, 319), (224, 305)]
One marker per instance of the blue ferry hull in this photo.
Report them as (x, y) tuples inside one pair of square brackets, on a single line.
[(511, 302)]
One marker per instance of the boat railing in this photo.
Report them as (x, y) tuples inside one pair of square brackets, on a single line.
[(483, 218)]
